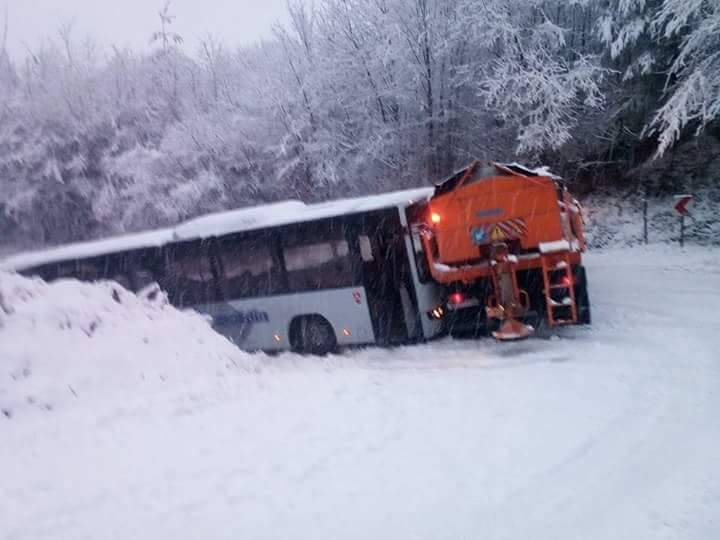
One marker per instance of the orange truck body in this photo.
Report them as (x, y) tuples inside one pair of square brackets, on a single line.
[(500, 203), (506, 242)]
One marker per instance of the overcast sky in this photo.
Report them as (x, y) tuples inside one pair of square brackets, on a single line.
[(131, 22)]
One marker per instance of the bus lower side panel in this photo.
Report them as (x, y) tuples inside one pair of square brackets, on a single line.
[(264, 323)]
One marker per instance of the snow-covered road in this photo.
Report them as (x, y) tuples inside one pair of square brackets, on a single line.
[(607, 432)]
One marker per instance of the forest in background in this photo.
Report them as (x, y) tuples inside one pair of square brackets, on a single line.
[(352, 97)]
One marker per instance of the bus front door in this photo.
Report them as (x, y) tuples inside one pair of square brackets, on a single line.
[(386, 276)]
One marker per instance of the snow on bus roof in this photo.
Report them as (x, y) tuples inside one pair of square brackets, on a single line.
[(82, 250), (247, 219), (255, 217), (243, 219)]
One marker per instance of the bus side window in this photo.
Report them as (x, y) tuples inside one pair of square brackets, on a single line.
[(141, 278), (66, 270), (366, 252), (138, 268), (92, 269), (114, 272), (47, 272), (122, 280), (188, 279), (320, 265), (421, 262), (249, 269)]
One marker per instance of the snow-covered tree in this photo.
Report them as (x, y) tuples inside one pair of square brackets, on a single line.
[(532, 78), (693, 79), (348, 97)]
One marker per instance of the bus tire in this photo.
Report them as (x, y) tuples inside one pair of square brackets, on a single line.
[(312, 334)]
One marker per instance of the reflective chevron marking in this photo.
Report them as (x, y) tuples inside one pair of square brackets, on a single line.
[(512, 228)]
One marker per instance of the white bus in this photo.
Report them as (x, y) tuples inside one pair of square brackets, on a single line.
[(308, 278)]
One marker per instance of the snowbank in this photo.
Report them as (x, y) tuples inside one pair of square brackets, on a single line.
[(64, 341)]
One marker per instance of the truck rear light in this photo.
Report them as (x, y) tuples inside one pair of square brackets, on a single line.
[(459, 300), (559, 278)]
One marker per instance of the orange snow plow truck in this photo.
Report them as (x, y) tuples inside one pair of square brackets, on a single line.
[(506, 242)]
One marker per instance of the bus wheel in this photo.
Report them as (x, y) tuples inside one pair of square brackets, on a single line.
[(313, 335)]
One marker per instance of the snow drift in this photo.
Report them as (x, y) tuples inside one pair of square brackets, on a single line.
[(61, 342)]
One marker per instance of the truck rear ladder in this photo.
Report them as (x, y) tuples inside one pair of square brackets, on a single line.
[(558, 276)]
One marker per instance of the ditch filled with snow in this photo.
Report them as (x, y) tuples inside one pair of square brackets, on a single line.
[(129, 419)]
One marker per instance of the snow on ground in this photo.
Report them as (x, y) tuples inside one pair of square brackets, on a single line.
[(606, 432)]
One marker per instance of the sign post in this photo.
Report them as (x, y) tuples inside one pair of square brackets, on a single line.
[(682, 231), (681, 209)]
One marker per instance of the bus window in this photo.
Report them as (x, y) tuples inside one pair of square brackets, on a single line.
[(66, 270), (122, 280), (366, 252), (420, 260), (92, 269), (48, 272), (122, 268), (188, 279), (141, 278), (249, 269), (318, 265)]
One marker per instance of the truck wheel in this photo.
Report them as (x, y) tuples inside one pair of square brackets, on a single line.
[(491, 325), (313, 335), (582, 296)]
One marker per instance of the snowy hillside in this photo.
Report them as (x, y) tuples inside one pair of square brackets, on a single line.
[(602, 432), (613, 220)]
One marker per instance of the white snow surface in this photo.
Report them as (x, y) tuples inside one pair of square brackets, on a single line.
[(554, 247), (604, 432)]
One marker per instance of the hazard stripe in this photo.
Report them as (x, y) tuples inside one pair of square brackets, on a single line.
[(507, 228), (521, 226), (511, 228)]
